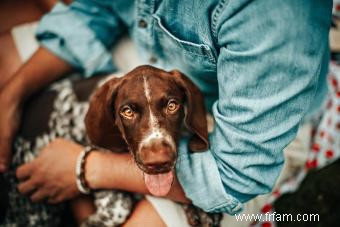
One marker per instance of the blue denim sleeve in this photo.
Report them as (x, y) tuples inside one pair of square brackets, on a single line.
[(272, 61), (81, 34)]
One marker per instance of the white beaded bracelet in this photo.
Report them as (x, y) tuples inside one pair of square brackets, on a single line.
[(80, 171)]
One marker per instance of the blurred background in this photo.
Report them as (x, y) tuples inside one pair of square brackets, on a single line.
[(310, 187)]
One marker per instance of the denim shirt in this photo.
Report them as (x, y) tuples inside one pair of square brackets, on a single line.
[(260, 64)]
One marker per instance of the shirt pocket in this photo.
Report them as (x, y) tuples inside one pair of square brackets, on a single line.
[(193, 55)]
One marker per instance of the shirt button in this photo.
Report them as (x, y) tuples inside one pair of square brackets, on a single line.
[(142, 23), (152, 59)]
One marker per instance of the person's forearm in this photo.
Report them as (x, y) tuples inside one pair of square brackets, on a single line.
[(106, 170), (40, 70)]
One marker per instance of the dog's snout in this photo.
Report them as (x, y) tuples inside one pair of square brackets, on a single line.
[(157, 157), (156, 154)]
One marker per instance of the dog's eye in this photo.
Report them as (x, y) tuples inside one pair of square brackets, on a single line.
[(172, 106), (127, 112)]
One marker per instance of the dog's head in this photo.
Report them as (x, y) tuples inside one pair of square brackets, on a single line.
[(143, 112)]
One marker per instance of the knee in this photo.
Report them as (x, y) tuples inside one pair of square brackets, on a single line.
[(144, 209)]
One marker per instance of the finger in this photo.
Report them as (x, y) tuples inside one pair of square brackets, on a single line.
[(24, 171), (27, 187), (5, 154), (39, 196), (55, 200), (53, 195)]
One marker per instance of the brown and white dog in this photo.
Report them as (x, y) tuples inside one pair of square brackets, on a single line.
[(143, 112)]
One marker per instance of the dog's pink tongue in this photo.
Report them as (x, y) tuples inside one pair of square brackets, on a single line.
[(159, 184)]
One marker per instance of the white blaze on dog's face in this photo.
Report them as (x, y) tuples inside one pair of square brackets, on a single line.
[(156, 134), (150, 118)]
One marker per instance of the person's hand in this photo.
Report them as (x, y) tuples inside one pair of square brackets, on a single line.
[(51, 176), (9, 123)]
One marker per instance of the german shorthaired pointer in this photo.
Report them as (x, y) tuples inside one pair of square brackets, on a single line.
[(143, 113)]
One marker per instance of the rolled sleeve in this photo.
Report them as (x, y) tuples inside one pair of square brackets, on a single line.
[(81, 34), (200, 178), (269, 74)]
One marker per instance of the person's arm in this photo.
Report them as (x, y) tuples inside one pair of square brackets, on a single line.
[(43, 68), (40, 70), (106, 170), (81, 35), (103, 170), (269, 70)]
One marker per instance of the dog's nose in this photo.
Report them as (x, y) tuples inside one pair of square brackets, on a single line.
[(157, 157)]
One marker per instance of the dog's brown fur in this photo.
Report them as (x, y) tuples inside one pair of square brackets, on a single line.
[(108, 129)]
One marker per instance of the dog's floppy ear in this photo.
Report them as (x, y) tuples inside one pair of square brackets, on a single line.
[(195, 118), (99, 120)]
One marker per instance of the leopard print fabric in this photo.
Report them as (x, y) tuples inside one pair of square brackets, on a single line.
[(65, 114)]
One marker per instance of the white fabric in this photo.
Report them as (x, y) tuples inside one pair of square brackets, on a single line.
[(172, 213), (24, 39)]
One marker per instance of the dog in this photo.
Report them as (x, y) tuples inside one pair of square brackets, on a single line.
[(143, 113), (165, 101)]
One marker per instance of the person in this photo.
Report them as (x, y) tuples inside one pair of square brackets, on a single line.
[(260, 64)]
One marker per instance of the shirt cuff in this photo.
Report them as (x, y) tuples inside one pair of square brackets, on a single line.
[(199, 176), (66, 35)]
